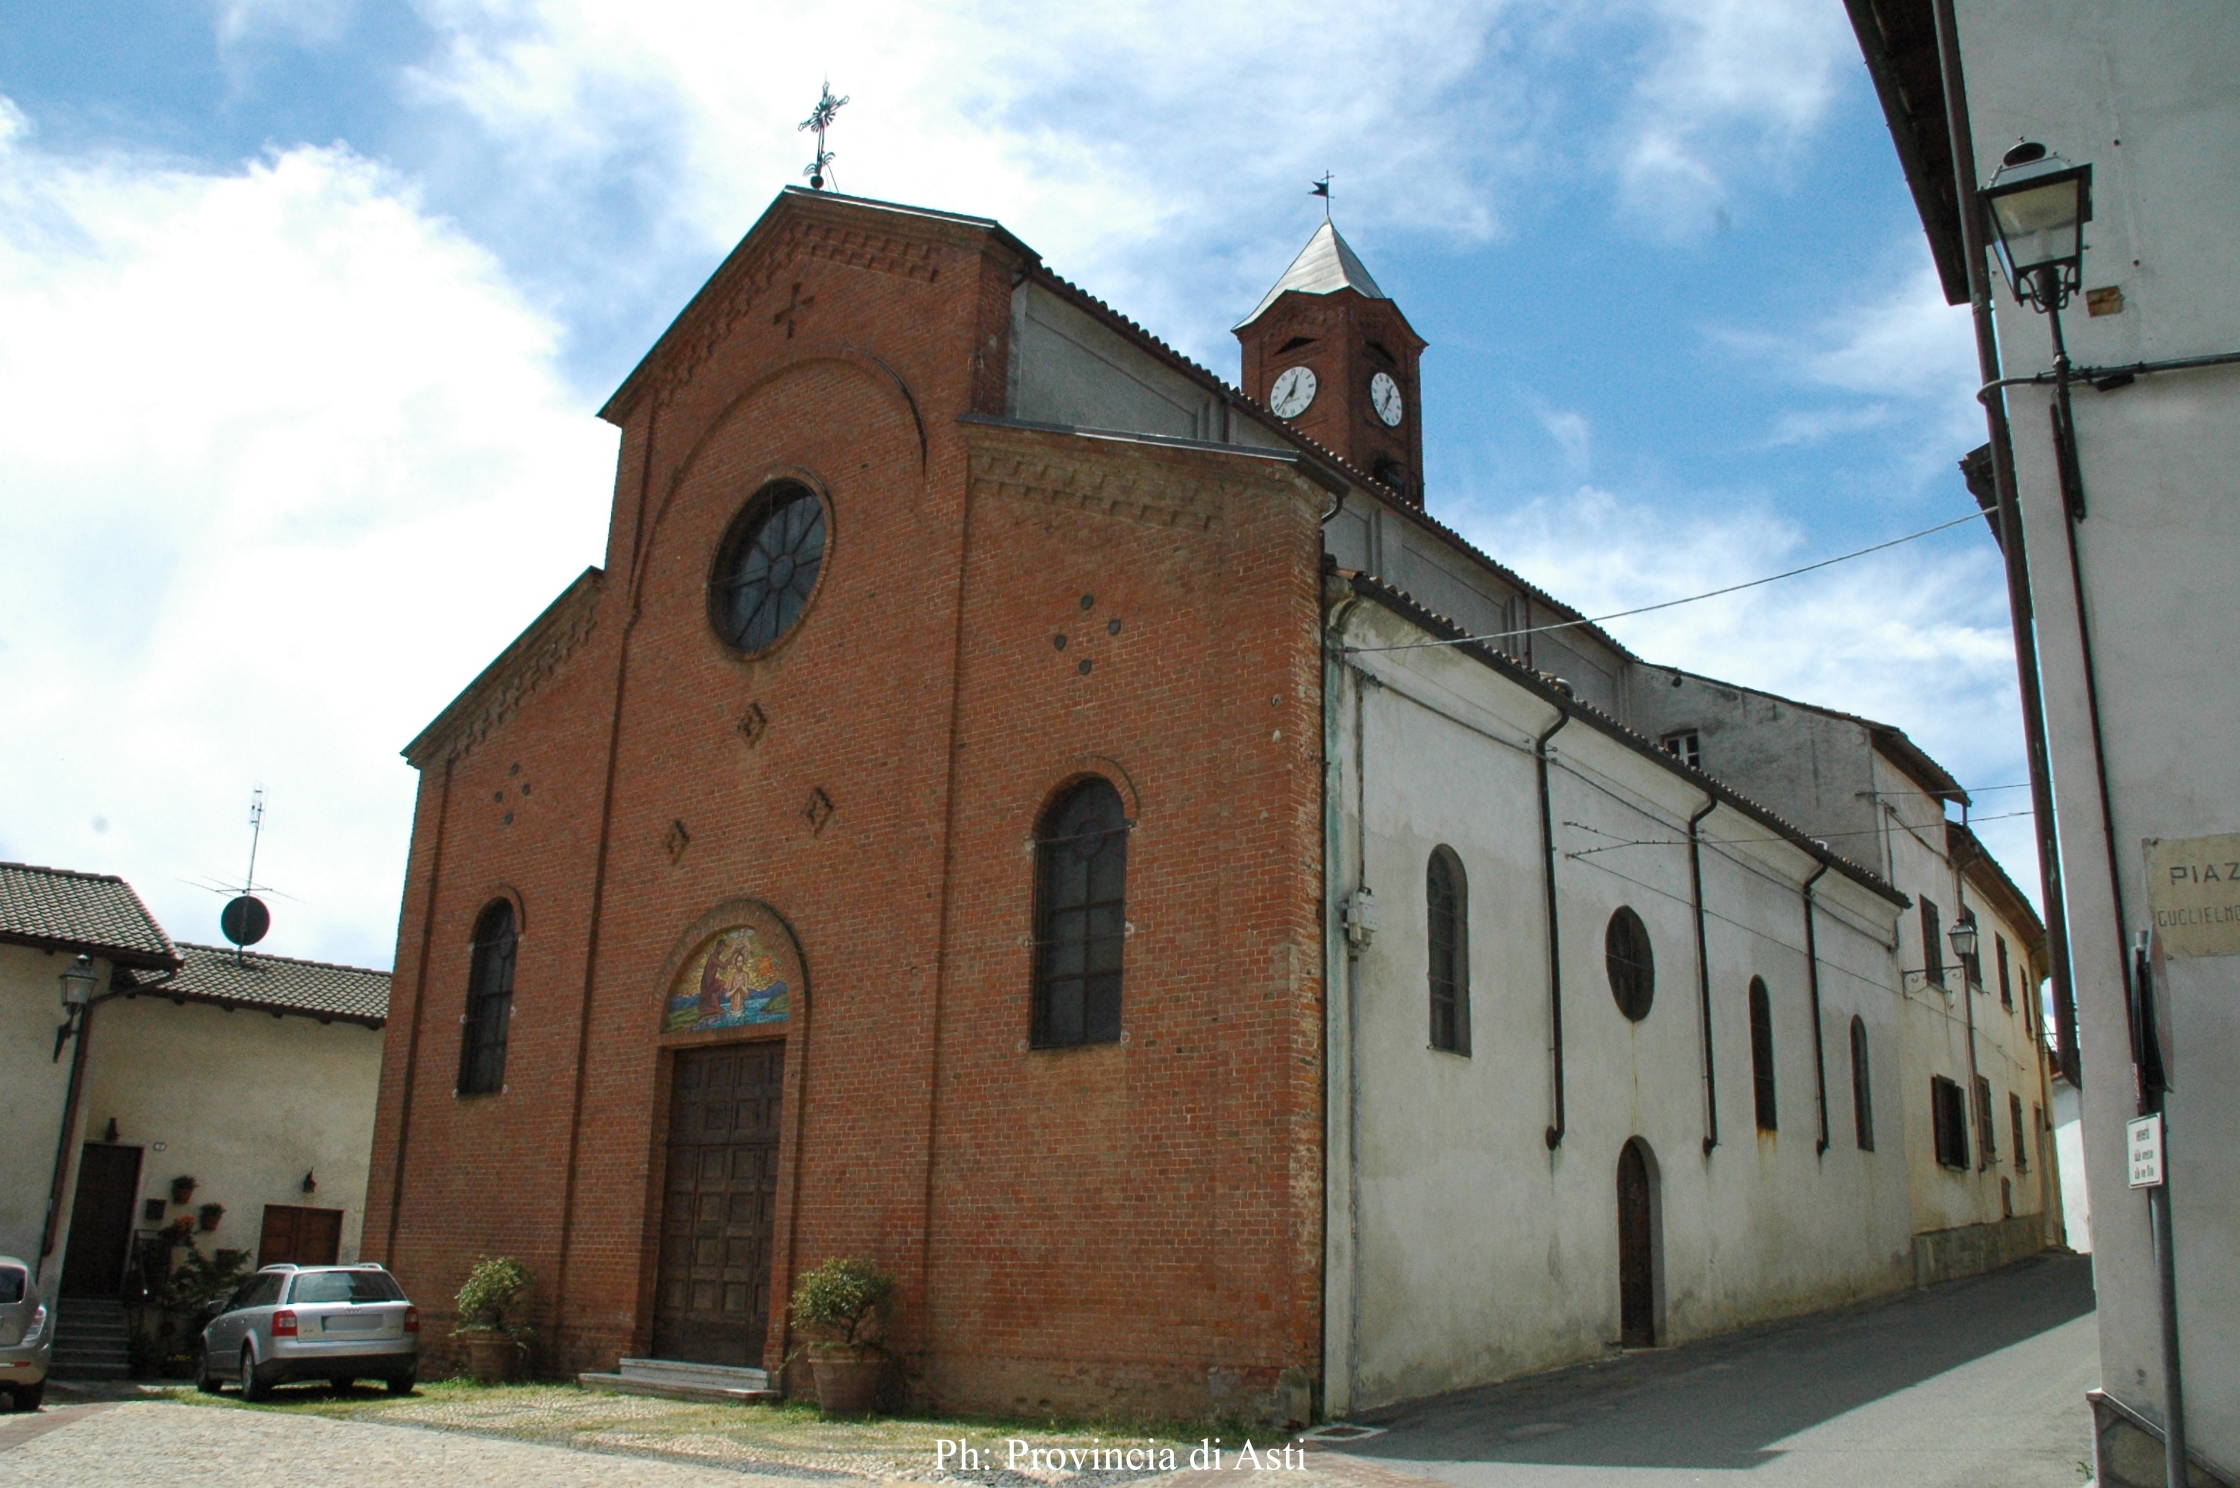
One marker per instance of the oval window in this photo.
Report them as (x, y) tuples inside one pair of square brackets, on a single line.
[(767, 567), (1632, 967)]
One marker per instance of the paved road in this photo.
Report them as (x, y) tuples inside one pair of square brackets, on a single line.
[(1978, 1383)]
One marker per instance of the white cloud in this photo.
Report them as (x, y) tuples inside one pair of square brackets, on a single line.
[(1731, 85), (285, 464), (1916, 636), (1119, 140)]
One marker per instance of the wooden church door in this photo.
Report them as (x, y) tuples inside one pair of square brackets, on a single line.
[(1637, 1293), (719, 1205)]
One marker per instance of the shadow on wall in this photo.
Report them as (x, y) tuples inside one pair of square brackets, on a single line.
[(1722, 1403)]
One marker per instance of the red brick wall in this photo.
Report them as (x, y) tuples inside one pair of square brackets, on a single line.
[(1113, 1225)]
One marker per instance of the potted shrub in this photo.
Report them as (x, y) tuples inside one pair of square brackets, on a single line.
[(489, 1324), (182, 1189), (843, 1306), (211, 1214)]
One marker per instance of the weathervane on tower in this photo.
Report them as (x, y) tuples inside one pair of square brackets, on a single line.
[(820, 119), (1321, 188)]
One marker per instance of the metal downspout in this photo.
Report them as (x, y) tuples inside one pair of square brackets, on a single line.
[(1812, 983), (70, 1102), (1555, 939), (1703, 976), (2010, 542)]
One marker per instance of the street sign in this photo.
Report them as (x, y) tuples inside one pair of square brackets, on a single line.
[(2143, 1137)]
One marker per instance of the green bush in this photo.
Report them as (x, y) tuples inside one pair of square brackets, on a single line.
[(844, 1301), (494, 1296)]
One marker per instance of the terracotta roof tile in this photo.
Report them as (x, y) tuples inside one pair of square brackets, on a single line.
[(96, 914)]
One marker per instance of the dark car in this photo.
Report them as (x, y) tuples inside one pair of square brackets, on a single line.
[(335, 1323)]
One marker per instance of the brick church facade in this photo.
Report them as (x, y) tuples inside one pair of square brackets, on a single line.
[(1002, 612)]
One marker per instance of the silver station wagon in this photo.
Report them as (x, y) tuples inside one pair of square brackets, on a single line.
[(335, 1323), (25, 1337)]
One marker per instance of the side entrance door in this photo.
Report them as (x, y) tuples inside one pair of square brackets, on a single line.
[(299, 1236), (719, 1205), (101, 1220), (1637, 1295)]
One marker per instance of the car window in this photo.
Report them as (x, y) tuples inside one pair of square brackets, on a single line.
[(265, 1290), (346, 1286), (242, 1293), (11, 1285)]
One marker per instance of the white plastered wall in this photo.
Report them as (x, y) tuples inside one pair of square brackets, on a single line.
[(1461, 1248), (36, 1086), (244, 1102)]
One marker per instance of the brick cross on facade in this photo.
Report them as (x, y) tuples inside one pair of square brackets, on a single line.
[(793, 308)]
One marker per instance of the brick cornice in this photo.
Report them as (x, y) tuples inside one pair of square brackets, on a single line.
[(1152, 484), (490, 699), (905, 242)]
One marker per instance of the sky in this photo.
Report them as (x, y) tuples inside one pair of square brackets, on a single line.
[(306, 307)]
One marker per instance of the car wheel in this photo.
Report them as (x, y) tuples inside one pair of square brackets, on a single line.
[(205, 1378), (256, 1380), (401, 1384), (27, 1397)]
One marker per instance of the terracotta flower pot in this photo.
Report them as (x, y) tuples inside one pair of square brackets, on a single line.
[(847, 1381), (490, 1354)]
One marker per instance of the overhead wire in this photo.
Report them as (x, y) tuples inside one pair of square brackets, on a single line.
[(1509, 635)]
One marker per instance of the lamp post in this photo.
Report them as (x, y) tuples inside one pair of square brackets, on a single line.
[(2038, 204)]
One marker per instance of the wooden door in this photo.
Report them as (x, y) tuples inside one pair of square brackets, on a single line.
[(1637, 1284), (101, 1220), (719, 1205), (298, 1236)]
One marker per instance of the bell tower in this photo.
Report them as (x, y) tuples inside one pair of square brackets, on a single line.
[(1331, 355)]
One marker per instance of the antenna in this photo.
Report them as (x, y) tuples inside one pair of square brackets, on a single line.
[(819, 120), (245, 920)]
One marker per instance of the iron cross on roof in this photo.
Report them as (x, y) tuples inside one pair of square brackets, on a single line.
[(819, 120)]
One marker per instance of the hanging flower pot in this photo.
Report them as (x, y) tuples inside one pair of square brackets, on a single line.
[(182, 1189), (211, 1214)]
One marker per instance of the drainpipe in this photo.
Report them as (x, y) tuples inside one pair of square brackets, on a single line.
[(1555, 943), (2010, 541), (1703, 976), (1812, 982), (70, 1102), (1985, 1128)]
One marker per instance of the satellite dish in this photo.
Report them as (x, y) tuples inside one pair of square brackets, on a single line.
[(245, 920)]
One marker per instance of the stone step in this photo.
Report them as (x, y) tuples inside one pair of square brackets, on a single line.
[(673, 1379), (685, 1372)]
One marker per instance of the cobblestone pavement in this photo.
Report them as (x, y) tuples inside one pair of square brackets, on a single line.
[(159, 1444)]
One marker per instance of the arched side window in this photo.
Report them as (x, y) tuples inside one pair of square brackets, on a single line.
[(1631, 966), (482, 1042), (1761, 1053), (1862, 1086), (1080, 925), (1446, 898)]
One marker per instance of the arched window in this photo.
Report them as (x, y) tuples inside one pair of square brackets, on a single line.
[(1761, 1052), (1631, 965), (1081, 881), (1862, 1087), (482, 1042), (1447, 905)]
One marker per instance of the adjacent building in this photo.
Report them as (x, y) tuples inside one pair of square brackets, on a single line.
[(197, 1092), (2112, 474)]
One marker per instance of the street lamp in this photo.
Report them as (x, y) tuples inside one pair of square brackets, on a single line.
[(77, 984), (1963, 938), (2039, 204)]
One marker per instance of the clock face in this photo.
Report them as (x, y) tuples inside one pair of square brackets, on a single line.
[(1384, 393), (1293, 391)]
